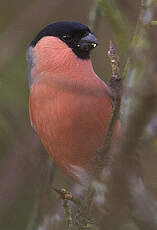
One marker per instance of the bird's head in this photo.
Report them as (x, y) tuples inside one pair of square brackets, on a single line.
[(61, 44)]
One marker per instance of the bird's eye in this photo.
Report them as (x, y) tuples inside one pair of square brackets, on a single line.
[(67, 38), (85, 33)]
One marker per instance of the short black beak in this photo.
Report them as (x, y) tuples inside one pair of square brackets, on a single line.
[(88, 42)]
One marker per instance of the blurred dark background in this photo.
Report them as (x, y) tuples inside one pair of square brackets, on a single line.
[(26, 173)]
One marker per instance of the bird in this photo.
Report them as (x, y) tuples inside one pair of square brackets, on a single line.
[(70, 107)]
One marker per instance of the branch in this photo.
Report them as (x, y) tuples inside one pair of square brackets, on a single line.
[(82, 219), (66, 195), (115, 85), (125, 167)]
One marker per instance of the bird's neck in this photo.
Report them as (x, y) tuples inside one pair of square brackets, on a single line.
[(60, 60)]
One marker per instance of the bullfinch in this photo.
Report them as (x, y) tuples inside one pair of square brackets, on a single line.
[(70, 106)]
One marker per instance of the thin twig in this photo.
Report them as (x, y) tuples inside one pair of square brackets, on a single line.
[(65, 196), (82, 218), (68, 214), (115, 85)]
